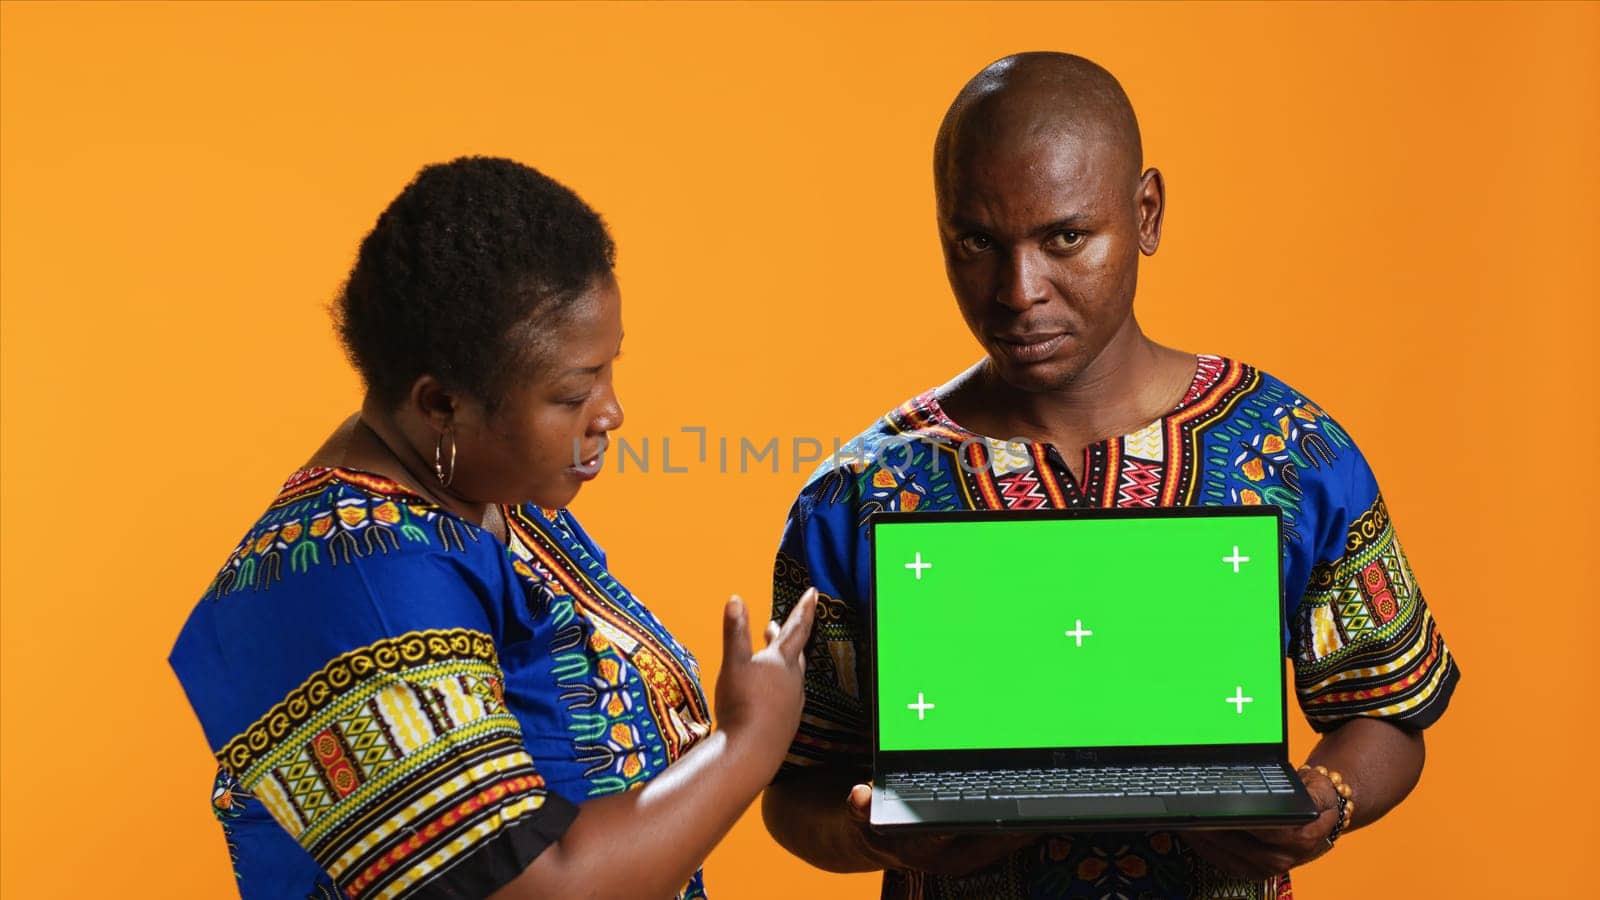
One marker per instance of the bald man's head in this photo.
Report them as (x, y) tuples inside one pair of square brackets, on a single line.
[(1043, 215), (1029, 97)]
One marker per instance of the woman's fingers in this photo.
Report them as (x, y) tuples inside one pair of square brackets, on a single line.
[(735, 632), (797, 628)]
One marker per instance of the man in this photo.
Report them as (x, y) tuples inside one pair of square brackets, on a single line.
[(1044, 209)]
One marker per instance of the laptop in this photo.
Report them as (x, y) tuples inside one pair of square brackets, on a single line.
[(1095, 669)]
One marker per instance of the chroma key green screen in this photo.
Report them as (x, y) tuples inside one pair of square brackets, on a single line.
[(1085, 632)]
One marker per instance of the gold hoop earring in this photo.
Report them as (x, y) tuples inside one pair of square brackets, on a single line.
[(445, 475)]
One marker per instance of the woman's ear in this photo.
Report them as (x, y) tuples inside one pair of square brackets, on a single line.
[(432, 402)]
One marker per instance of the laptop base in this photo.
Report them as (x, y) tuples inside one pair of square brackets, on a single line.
[(1025, 809)]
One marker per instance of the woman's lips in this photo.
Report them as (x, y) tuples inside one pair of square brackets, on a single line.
[(1031, 349), (587, 469)]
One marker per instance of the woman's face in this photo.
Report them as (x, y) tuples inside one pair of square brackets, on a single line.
[(548, 435)]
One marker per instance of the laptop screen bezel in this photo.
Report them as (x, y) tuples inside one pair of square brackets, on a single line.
[(1056, 757)]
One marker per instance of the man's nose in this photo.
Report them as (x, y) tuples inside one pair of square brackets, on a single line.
[(1023, 281)]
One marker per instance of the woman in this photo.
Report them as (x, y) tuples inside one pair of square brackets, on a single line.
[(415, 665)]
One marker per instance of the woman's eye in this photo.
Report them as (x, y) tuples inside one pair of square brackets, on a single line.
[(976, 243), (1066, 240)]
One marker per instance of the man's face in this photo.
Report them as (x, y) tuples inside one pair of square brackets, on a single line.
[(1041, 243)]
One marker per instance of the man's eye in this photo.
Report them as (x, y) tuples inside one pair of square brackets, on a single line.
[(1066, 240), (976, 243)]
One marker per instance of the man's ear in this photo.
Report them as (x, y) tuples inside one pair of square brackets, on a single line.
[(1152, 202), (432, 402)]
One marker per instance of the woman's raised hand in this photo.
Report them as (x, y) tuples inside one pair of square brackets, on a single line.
[(759, 693)]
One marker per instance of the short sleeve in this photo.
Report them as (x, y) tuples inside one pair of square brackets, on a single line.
[(361, 705), (1364, 640), (820, 548)]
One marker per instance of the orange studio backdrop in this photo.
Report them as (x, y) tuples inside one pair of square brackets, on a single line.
[(1390, 206)]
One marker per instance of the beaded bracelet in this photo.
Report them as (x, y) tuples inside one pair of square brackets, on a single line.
[(1344, 804), (1342, 789)]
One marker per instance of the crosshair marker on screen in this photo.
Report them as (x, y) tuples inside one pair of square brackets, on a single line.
[(1239, 700), (1078, 633)]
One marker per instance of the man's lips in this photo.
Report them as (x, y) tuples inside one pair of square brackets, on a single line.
[(1032, 347)]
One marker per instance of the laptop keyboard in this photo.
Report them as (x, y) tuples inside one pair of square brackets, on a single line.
[(1142, 781)]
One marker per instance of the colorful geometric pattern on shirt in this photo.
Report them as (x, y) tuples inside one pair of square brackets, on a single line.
[(1154, 466), (1277, 436), (634, 706), (834, 723), (1268, 434), (393, 761), (333, 516), (1239, 437), (1368, 643), (605, 698), (632, 691), (1090, 866)]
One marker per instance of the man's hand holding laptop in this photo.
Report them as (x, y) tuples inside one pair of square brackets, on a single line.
[(942, 854)]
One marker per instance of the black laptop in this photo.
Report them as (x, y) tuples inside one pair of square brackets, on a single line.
[(1096, 669)]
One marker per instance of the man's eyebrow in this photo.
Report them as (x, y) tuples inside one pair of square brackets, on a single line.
[(1077, 220), (1068, 223)]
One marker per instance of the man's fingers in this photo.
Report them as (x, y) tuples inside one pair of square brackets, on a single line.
[(771, 633), (797, 628), (1268, 851), (1320, 826), (1255, 841), (859, 802), (735, 632)]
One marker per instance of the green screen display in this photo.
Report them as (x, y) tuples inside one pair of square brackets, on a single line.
[(1066, 633)]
